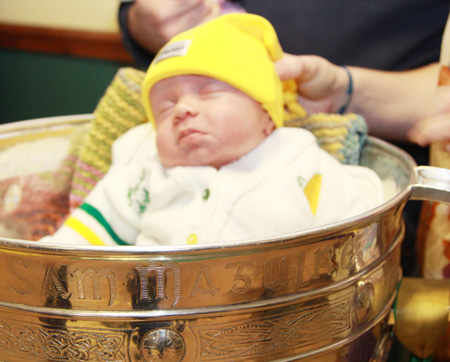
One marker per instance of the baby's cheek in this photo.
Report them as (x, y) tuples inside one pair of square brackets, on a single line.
[(166, 147), (161, 144)]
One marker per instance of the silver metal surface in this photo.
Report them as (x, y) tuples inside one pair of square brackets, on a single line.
[(433, 184), (318, 295)]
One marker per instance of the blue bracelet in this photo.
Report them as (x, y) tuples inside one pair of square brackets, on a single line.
[(348, 96)]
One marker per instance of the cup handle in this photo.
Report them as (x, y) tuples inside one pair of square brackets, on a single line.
[(432, 184)]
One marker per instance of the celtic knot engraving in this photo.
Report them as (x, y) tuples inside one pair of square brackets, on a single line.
[(295, 328), (54, 344)]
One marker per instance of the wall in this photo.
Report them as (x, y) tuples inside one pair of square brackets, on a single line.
[(90, 15), (36, 84)]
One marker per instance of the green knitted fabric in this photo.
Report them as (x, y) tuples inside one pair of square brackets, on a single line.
[(118, 110), (343, 136)]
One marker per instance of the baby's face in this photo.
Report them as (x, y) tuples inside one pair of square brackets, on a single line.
[(203, 121)]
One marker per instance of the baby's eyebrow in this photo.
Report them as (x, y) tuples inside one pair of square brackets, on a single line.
[(215, 85)]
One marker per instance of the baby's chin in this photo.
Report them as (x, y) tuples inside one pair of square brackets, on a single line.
[(197, 161)]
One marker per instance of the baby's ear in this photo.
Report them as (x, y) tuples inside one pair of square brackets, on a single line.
[(269, 126)]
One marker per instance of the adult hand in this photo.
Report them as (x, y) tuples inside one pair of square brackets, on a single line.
[(391, 102), (322, 86), (153, 22), (436, 125)]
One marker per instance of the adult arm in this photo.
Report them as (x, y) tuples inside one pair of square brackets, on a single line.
[(391, 102)]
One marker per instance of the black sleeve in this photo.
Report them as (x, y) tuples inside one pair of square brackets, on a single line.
[(142, 57), (379, 34)]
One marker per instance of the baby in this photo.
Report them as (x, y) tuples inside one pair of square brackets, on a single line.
[(214, 163)]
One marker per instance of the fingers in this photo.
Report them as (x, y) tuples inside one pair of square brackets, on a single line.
[(289, 67), (321, 84), (153, 23), (161, 10), (185, 19), (432, 129), (436, 126)]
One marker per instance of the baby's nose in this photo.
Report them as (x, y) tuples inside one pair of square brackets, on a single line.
[(185, 107)]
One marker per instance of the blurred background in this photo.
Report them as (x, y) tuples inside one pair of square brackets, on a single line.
[(57, 57)]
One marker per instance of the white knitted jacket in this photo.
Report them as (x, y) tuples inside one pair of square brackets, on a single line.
[(284, 185)]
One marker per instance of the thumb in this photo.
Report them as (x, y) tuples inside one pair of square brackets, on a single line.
[(289, 67)]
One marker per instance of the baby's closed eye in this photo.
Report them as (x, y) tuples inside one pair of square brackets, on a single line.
[(164, 107), (213, 88)]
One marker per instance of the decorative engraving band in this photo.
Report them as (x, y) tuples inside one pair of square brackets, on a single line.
[(317, 323), (58, 344)]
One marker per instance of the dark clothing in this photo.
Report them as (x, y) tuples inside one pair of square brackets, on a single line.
[(142, 57), (379, 34)]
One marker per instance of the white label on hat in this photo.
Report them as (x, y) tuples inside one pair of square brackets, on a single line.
[(177, 49)]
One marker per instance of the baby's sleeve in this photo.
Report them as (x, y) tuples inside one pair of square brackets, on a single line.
[(95, 222), (105, 217)]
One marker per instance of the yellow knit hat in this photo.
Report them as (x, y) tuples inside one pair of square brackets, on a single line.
[(239, 49)]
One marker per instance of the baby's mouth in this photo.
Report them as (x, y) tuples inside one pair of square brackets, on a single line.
[(189, 136)]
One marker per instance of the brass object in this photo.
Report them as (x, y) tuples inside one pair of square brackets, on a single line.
[(319, 295), (163, 344), (422, 314)]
